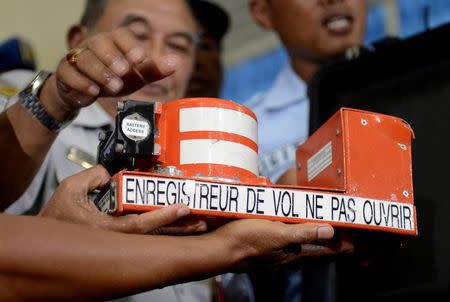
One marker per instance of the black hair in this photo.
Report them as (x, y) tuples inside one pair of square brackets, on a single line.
[(93, 9)]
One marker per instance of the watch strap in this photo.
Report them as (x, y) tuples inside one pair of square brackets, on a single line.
[(29, 99), (34, 106)]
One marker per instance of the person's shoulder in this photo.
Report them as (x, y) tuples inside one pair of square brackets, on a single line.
[(11, 82), (18, 78), (276, 87), (255, 100)]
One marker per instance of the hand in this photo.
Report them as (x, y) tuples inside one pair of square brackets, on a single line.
[(341, 244), (71, 203), (268, 242), (108, 64)]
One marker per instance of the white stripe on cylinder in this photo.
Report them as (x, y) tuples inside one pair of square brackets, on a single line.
[(218, 119), (213, 151)]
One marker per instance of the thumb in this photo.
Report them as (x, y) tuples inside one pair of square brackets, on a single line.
[(309, 232), (88, 180), (95, 177)]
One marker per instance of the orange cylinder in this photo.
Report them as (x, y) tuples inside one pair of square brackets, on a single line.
[(207, 138)]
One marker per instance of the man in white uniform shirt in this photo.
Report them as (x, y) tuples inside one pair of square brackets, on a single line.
[(113, 39)]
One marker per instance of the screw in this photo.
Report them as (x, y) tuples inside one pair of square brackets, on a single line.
[(338, 172), (157, 149), (171, 170), (405, 193), (364, 122), (402, 146), (338, 132), (101, 136), (120, 148)]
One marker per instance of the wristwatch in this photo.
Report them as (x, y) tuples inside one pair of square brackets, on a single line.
[(28, 98)]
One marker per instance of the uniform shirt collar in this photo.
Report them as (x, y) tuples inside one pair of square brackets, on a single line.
[(287, 89), (93, 116)]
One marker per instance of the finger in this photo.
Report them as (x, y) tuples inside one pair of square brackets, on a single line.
[(188, 229), (313, 253), (148, 72), (149, 221), (315, 250), (108, 53), (309, 233), (153, 69), (92, 67), (91, 179), (129, 46), (76, 86)]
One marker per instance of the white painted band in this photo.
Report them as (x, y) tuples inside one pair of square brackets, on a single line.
[(218, 119), (212, 151), (284, 203)]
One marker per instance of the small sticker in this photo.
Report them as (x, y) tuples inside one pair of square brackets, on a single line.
[(136, 127), (104, 202), (319, 161)]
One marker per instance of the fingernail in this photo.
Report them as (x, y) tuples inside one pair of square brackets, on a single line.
[(115, 85), (183, 211), (120, 67), (171, 61), (79, 98), (201, 227), (136, 55), (93, 90), (325, 232)]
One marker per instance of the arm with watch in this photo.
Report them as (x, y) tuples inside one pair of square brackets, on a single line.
[(28, 129), (51, 101)]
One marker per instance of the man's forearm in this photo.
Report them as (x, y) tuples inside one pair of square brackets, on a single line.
[(43, 259), (24, 143)]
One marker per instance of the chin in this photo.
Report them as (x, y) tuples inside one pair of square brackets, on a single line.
[(339, 47)]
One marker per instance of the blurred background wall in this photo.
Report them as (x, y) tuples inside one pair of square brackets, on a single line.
[(43, 23)]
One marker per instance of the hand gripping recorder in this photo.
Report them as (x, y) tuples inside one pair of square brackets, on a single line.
[(354, 172)]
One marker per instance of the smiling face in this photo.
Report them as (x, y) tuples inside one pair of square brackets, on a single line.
[(163, 28), (314, 28)]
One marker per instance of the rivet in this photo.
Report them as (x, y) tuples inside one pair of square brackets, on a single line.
[(402, 146)]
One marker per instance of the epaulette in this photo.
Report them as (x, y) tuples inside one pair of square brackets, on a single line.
[(8, 91)]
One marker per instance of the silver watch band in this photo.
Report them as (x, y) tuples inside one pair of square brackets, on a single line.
[(32, 104), (28, 98)]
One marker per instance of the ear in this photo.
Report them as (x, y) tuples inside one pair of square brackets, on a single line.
[(260, 11), (76, 35)]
